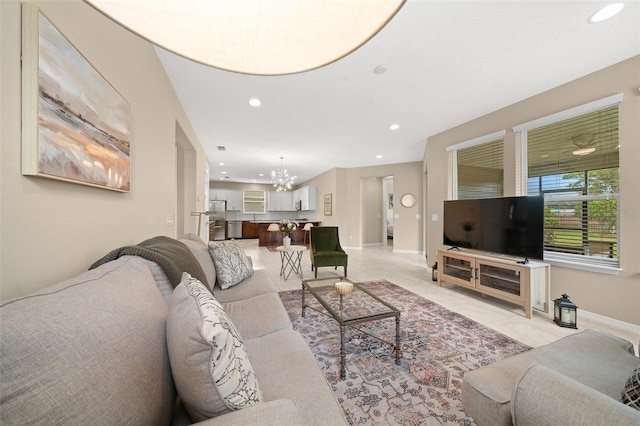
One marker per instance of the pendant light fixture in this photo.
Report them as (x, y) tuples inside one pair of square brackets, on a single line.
[(261, 37), (280, 178)]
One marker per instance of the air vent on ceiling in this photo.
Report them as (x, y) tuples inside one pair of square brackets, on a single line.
[(222, 148)]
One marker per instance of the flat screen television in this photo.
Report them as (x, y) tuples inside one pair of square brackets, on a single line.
[(512, 226)]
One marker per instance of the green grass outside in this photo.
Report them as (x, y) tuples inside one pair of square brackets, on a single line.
[(573, 238)]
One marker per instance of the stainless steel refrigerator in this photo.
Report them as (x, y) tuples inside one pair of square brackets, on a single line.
[(219, 219)]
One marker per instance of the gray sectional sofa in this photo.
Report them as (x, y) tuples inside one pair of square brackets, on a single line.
[(577, 380), (93, 350)]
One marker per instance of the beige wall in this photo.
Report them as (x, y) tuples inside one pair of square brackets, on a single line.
[(52, 230), (617, 296), (350, 201), (372, 214)]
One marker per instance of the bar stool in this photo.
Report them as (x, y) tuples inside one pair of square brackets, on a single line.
[(307, 231), (271, 229)]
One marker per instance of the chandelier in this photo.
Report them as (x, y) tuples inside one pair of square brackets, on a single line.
[(280, 178)]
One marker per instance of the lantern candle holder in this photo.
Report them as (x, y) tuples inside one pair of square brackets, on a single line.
[(565, 312)]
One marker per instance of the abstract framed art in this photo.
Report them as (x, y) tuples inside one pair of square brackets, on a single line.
[(75, 125)]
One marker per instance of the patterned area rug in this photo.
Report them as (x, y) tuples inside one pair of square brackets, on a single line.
[(438, 347)]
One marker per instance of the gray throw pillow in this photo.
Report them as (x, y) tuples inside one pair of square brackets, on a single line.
[(232, 264), (200, 251), (631, 391), (210, 365)]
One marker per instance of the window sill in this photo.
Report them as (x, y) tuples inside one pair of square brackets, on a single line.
[(589, 267)]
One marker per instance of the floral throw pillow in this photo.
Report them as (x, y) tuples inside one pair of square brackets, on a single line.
[(232, 264), (210, 365)]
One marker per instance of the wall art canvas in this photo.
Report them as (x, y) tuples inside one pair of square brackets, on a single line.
[(327, 205), (76, 126)]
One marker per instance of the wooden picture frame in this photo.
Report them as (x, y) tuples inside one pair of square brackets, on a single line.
[(327, 205), (75, 125)]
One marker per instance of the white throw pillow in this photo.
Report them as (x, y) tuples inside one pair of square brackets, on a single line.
[(232, 264), (631, 391), (210, 365)]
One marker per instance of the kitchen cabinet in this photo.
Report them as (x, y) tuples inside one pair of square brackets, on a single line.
[(526, 285), (281, 201), (267, 238), (233, 197), (305, 197), (249, 229)]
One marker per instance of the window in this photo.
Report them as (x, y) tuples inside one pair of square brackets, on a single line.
[(253, 201), (574, 163), (477, 168)]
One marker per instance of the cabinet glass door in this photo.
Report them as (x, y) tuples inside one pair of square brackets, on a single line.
[(457, 268), (501, 279)]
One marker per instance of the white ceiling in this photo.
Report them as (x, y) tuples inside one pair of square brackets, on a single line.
[(448, 62)]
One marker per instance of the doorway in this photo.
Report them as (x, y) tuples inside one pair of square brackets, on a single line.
[(185, 185), (387, 208)]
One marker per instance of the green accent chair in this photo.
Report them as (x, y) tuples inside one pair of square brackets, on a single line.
[(325, 249)]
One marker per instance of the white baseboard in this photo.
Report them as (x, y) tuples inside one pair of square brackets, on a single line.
[(626, 326), (408, 251)]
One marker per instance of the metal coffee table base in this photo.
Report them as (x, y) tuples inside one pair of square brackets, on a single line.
[(352, 322), (343, 354)]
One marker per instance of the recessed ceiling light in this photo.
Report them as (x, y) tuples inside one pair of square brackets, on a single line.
[(379, 156), (220, 164), (223, 172), (605, 13), (255, 102), (260, 174), (394, 126)]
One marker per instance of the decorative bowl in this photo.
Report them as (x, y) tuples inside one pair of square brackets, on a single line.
[(344, 287)]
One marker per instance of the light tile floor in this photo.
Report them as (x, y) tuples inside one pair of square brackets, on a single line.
[(412, 272)]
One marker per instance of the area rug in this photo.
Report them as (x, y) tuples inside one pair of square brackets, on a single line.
[(438, 347)]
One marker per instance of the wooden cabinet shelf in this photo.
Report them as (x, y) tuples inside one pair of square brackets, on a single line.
[(526, 285)]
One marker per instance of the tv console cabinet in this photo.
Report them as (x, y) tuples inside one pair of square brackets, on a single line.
[(526, 285)]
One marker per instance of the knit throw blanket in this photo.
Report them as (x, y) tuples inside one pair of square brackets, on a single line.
[(171, 255)]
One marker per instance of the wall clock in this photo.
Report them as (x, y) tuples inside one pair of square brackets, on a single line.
[(408, 200)]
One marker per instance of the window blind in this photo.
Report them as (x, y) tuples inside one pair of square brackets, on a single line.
[(556, 148), (480, 170), (574, 163)]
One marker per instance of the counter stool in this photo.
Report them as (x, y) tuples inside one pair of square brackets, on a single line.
[(271, 229), (307, 231)]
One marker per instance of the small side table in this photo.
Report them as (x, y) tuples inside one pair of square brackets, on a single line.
[(290, 260)]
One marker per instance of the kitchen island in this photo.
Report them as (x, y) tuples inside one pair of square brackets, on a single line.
[(267, 239)]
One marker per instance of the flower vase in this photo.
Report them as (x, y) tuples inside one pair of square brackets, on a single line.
[(286, 241)]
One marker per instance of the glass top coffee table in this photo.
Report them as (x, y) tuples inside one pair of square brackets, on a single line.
[(348, 310)]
